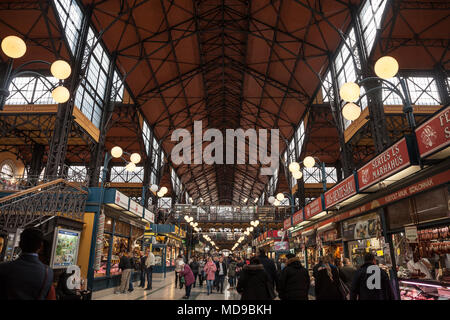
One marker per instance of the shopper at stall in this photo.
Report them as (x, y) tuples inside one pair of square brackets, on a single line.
[(360, 289), (294, 280), (133, 268), (269, 266), (125, 266), (254, 282), (232, 273), (149, 264), (210, 271), (179, 262), (420, 267), (27, 278), (347, 272), (221, 272), (189, 279), (194, 265), (326, 281), (142, 269)]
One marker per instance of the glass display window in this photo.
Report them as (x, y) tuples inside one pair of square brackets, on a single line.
[(108, 224), (120, 244)]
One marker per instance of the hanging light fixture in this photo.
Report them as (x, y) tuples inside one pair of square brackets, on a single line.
[(60, 94), (135, 158), (294, 167), (276, 202), (116, 152), (350, 92), (163, 190), (386, 67), (297, 175), (271, 199), (130, 167), (186, 217), (14, 47), (154, 188), (309, 162), (280, 196), (351, 111), (159, 194), (60, 69)]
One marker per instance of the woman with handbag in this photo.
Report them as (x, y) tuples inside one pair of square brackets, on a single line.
[(210, 271), (254, 283), (327, 281)]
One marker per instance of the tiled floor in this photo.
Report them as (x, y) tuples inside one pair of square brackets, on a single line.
[(164, 289)]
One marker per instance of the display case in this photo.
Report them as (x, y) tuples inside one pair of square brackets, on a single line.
[(415, 289)]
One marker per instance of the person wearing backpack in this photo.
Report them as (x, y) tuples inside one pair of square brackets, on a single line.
[(232, 266), (360, 290)]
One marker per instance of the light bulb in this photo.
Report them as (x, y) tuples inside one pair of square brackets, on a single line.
[(116, 152), (297, 175), (159, 194), (309, 162), (271, 199), (163, 190), (349, 92), (60, 94), (294, 167), (130, 167), (14, 47), (351, 111), (154, 188), (251, 229), (135, 158), (280, 196), (60, 69), (276, 202), (386, 67), (186, 217)]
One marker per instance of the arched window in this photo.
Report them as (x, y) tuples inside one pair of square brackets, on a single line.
[(7, 171)]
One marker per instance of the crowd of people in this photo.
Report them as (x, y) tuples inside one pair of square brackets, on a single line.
[(257, 278), (260, 278)]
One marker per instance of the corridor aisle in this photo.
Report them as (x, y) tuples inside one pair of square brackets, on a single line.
[(164, 289)]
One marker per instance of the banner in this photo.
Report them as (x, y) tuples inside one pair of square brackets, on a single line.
[(297, 217), (387, 163), (434, 134), (345, 189), (313, 208)]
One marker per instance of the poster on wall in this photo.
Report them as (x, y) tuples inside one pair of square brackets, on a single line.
[(65, 248), (362, 228)]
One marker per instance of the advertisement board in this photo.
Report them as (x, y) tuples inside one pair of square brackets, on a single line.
[(313, 208), (343, 190), (65, 248), (121, 200), (434, 134), (297, 217), (394, 159)]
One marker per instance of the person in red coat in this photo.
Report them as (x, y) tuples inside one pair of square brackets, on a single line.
[(189, 279)]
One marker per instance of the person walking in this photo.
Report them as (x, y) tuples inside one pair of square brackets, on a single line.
[(359, 288), (221, 272), (194, 265), (142, 269), (254, 283), (294, 280), (327, 281), (125, 266), (27, 278), (179, 262), (133, 268), (210, 272), (239, 265), (149, 263), (189, 279), (347, 272), (201, 271), (269, 266), (232, 274)]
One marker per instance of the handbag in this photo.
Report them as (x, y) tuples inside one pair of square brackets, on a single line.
[(343, 288), (182, 280)]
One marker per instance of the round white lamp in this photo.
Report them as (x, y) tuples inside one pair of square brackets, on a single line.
[(294, 166), (351, 111), (130, 167), (386, 67), (154, 188), (60, 94), (349, 91), (116, 152), (271, 199), (135, 158), (280, 196), (297, 175), (60, 69), (309, 162), (14, 47)]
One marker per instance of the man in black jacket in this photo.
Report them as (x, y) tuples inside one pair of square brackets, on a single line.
[(125, 266), (269, 266), (26, 278), (221, 272), (294, 280), (364, 288)]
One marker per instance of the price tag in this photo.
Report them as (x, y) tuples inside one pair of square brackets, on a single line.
[(380, 253)]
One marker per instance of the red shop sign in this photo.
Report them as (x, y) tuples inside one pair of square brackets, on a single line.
[(394, 159), (287, 223), (297, 217), (313, 208), (434, 134), (340, 192)]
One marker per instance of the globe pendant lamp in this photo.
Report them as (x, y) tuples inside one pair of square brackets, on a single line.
[(297, 175), (309, 162), (350, 92), (130, 167), (135, 158), (60, 69), (60, 94), (280, 196), (13, 47), (351, 111), (116, 152), (386, 67)]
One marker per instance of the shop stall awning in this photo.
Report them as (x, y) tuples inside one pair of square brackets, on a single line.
[(394, 164), (315, 209), (433, 136), (342, 194), (116, 199)]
